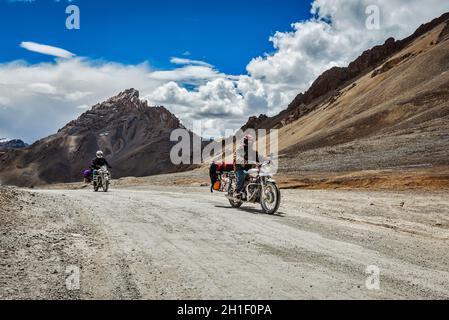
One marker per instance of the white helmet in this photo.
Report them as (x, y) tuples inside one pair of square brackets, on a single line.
[(100, 154)]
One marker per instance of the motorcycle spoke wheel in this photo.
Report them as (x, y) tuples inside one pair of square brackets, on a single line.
[(106, 186), (271, 198)]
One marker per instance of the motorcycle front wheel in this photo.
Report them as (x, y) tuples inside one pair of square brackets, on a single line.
[(97, 185), (106, 185), (271, 198)]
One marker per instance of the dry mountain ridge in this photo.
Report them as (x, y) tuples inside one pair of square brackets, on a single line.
[(134, 136), (327, 85), (381, 122), (11, 144)]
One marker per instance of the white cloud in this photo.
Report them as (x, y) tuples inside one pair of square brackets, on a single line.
[(299, 57), (216, 98), (183, 61), (77, 95), (189, 74), (314, 46), (35, 100), (4, 101), (39, 99), (47, 50), (42, 88)]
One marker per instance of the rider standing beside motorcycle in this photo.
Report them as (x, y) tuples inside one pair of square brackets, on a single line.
[(213, 175), (245, 158)]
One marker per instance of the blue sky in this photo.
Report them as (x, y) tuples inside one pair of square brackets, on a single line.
[(225, 33), (219, 62)]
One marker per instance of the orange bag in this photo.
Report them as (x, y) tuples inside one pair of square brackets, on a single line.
[(217, 186)]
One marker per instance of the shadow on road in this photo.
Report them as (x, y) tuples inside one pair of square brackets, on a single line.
[(254, 211)]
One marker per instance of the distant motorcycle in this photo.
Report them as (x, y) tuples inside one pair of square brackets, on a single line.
[(101, 179), (259, 188)]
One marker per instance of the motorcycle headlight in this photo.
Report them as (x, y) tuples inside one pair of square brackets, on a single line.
[(267, 169)]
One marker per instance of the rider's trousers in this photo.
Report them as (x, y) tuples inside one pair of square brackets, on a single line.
[(240, 174)]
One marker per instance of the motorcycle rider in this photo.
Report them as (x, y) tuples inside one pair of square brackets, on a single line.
[(243, 162), (99, 161)]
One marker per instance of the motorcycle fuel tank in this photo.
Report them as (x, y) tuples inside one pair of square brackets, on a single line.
[(254, 173)]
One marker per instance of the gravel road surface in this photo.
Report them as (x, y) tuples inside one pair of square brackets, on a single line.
[(184, 243)]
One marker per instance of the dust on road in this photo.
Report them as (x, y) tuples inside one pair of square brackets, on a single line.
[(184, 243)]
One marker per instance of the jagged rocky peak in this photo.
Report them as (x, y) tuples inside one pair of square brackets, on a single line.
[(128, 99), (254, 122), (124, 107), (131, 95), (134, 136)]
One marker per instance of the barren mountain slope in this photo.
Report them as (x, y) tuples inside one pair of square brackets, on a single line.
[(331, 81), (381, 122), (396, 115), (390, 121), (134, 137)]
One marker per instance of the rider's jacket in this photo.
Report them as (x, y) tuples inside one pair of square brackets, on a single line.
[(97, 163), (245, 157)]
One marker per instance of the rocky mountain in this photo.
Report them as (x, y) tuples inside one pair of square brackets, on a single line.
[(12, 144), (388, 110), (134, 137), (327, 85)]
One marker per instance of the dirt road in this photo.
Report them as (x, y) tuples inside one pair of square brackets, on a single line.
[(178, 242)]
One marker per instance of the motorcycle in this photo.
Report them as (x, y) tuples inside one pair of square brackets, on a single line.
[(101, 179), (259, 188)]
